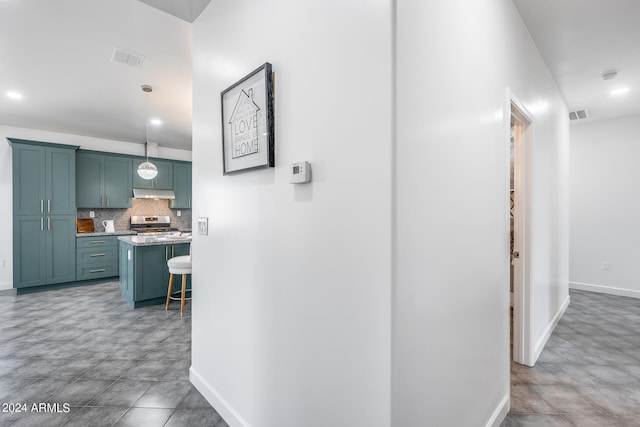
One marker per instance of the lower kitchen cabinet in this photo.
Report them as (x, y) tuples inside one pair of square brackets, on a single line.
[(44, 250), (96, 257), (144, 275)]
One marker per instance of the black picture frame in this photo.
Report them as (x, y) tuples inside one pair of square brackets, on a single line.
[(248, 140)]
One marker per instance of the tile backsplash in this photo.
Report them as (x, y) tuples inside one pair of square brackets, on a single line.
[(122, 217)]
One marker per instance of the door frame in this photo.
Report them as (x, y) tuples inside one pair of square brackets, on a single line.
[(522, 295)]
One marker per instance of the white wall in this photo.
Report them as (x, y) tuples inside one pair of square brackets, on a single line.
[(451, 301), (295, 286), (6, 185), (291, 316), (605, 206)]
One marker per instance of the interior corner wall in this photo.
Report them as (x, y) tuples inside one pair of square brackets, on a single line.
[(291, 309), (605, 206), (6, 180), (451, 282)]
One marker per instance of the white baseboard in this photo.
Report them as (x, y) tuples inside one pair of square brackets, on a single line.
[(604, 289), (549, 330), (216, 400), (500, 413), (6, 286)]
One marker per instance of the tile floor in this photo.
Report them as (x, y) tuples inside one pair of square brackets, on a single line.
[(589, 372), (112, 365)]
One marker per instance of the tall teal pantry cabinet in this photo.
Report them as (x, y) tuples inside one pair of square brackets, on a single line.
[(44, 213)]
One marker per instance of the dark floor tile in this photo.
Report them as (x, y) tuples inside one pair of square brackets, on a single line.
[(96, 417), (79, 392), (147, 417), (540, 420), (121, 393), (45, 417), (591, 420), (194, 400), (164, 394), (109, 369), (202, 417), (566, 399)]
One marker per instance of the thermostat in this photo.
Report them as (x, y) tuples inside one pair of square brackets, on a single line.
[(300, 172)]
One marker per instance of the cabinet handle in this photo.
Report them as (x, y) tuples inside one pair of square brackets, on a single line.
[(98, 241), (98, 270), (101, 200), (107, 200), (48, 223), (166, 253), (41, 206), (189, 201), (173, 251), (41, 224), (92, 255), (48, 206)]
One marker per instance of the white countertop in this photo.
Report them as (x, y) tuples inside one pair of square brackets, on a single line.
[(140, 240)]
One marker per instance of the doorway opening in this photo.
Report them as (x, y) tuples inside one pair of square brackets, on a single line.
[(520, 139)]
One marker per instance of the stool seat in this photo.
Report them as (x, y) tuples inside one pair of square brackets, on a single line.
[(178, 265)]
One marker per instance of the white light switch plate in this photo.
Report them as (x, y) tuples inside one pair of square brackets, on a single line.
[(203, 226)]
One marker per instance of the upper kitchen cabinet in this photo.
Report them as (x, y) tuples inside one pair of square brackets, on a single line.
[(103, 181), (44, 178), (181, 186), (164, 179)]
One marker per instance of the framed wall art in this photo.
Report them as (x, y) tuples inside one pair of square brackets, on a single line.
[(247, 122)]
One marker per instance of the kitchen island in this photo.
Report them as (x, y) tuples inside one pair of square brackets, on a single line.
[(144, 275)]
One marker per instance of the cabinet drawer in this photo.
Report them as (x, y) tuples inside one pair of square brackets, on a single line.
[(97, 255), (89, 242), (96, 271)]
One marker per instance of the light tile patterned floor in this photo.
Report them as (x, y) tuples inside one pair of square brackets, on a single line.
[(589, 372), (112, 365)]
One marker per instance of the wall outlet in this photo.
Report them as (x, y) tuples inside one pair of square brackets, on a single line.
[(605, 265), (179, 213), (92, 214)]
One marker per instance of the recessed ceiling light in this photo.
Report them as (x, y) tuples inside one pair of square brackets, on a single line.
[(156, 122), (619, 91), (14, 95)]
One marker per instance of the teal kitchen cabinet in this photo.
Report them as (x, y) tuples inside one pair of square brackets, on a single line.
[(43, 213), (103, 181), (181, 186), (144, 275), (96, 257), (164, 179), (43, 179)]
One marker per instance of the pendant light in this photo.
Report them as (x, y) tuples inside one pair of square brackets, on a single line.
[(147, 170)]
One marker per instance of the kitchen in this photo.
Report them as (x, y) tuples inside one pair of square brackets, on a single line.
[(50, 253), (84, 97)]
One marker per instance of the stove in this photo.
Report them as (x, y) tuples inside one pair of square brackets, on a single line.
[(152, 225)]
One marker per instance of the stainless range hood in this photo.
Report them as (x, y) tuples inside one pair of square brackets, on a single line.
[(152, 193)]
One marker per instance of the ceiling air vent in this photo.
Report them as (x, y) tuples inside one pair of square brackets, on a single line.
[(127, 57), (578, 114)]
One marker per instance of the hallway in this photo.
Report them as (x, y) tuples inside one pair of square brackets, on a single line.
[(588, 374)]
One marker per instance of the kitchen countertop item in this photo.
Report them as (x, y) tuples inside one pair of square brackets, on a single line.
[(84, 225)]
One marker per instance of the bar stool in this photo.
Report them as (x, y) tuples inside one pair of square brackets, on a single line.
[(179, 265)]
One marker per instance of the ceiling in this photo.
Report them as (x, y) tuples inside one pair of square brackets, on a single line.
[(57, 54), (582, 39)]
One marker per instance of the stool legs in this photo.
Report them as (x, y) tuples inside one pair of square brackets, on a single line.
[(166, 307), (184, 291)]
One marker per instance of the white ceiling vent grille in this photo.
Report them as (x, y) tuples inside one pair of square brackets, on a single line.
[(127, 57), (578, 114)]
